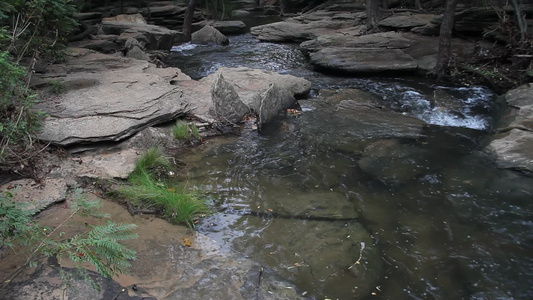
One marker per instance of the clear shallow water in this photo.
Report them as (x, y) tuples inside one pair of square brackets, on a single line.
[(427, 217)]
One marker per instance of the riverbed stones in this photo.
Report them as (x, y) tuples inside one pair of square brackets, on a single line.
[(306, 27), (513, 145)]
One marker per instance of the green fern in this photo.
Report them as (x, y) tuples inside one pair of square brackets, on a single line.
[(100, 246)]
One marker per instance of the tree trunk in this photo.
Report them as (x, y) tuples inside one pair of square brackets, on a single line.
[(520, 19), (215, 9), (187, 22), (445, 39), (282, 7), (418, 5), (373, 13)]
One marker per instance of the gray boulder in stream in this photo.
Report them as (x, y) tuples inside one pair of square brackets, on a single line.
[(238, 91), (209, 34), (513, 144)]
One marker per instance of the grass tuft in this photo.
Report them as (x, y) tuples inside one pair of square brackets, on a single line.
[(144, 190), (184, 131)]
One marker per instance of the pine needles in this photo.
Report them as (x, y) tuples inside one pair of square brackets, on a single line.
[(147, 189)]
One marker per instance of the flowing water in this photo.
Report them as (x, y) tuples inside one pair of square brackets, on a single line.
[(349, 212)]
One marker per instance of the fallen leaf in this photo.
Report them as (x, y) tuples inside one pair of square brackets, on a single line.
[(187, 242)]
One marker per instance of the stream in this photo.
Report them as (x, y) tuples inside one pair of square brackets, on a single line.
[(348, 212)]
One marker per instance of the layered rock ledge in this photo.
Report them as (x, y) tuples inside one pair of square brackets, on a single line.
[(513, 144)]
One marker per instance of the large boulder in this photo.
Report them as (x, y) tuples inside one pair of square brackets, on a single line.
[(400, 46), (513, 144), (363, 60), (124, 97), (209, 34), (227, 105), (238, 91)]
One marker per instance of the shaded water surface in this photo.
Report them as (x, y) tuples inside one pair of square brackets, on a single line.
[(387, 217)]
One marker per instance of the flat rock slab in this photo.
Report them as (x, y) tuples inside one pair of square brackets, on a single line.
[(37, 195), (407, 20), (354, 39), (109, 165), (118, 102), (363, 60)]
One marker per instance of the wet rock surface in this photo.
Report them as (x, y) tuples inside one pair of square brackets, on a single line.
[(37, 196), (513, 146)]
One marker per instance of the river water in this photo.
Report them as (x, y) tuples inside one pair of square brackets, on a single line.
[(425, 217)]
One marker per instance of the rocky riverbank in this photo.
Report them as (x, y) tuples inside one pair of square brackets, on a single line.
[(107, 115)]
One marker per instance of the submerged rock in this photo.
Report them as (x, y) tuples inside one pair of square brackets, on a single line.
[(391, 162), (513, 145)]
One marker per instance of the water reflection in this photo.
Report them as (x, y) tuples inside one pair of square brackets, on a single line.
[(459, 229), (438, 221)]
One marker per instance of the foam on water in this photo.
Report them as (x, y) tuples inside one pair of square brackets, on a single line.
[(184, 48)]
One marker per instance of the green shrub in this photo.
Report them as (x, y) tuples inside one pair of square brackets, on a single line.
[(144, 190), (17, 120), (35, 29)]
